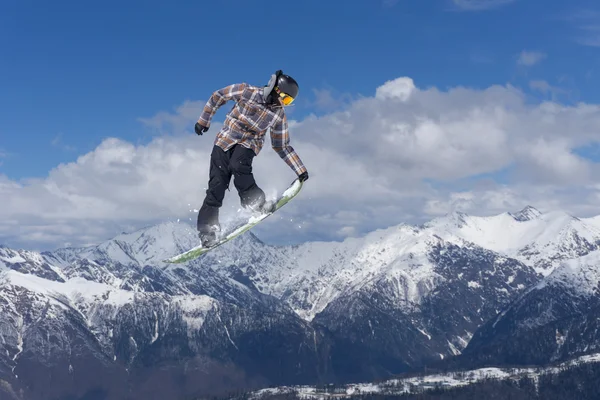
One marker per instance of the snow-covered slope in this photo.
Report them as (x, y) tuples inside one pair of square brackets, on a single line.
[(403, 294), (146, 246), (403, 386), (593, 221), (311, 276), (576, 282), (89, 336), (540, 240), (581, 276), (29, 262), (395, 262)]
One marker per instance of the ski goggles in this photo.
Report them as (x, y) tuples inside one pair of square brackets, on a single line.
[(285, 98)]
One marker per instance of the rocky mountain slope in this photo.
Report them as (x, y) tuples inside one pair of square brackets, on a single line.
[(554, 320)]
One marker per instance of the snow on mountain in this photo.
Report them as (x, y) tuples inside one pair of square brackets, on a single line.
[(400, 386), (133, 262), (557, 318), (418, 295), (73, 288), (311, 275), (527, 214), (400, 269), (580, 275), (394, 297), (400, 294), (86, 296), (148, 246), (540, 240), (29, 262), (575, 282), (593, 221), (88, 335)]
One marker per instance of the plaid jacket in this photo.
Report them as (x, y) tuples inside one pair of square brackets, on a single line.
[(248, 122)]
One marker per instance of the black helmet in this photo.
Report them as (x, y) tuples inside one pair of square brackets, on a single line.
[(280, 85), (287, 85)]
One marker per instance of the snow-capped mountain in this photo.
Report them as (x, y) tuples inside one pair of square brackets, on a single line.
[(539, 240), (312, 275), (95, 336), (554, 320), (399, 297), (364, 308), (144, 247), (30, 263), (106, 319)]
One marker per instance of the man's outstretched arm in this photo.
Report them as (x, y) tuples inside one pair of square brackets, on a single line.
[(218, 98), (280, 141)]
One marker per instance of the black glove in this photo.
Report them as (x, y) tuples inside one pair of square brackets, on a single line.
[(303, 176), (200, 129)]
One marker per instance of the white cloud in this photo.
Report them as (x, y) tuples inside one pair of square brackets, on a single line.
[(400, 88), (478, 5), (403, 155), (500, 198), (553, 162), (530, 58), (327, 100), (178, 122), (324, 99)]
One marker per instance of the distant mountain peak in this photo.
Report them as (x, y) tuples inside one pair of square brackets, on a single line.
[(527, 214), (453, 219)]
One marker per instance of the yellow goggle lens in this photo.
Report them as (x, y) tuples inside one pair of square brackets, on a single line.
[(286, 99)]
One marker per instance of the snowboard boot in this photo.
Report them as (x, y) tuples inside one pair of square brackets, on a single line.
[(268, 207), (208, 235), (262, 207)]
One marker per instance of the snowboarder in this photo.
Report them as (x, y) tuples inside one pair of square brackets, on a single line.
[(256, 110)]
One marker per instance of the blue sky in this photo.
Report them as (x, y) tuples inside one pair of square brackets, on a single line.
[(443, 107), (75, 72)]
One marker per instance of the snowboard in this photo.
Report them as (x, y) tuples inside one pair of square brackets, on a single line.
[(197, 251)]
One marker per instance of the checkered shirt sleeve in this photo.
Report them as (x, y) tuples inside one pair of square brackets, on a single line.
[(218, 98), (280, 141)]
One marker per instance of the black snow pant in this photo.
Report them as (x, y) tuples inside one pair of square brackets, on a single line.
[(236, 163)]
